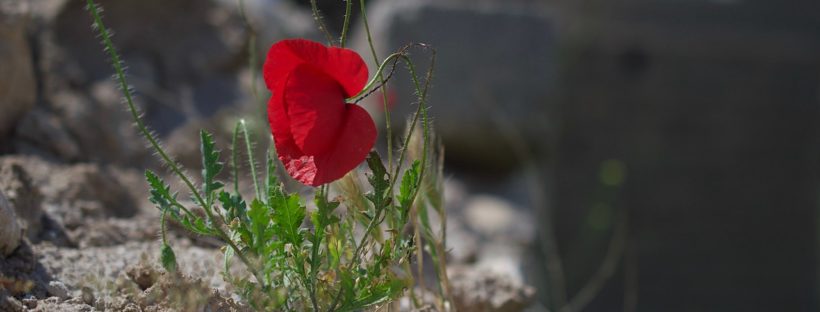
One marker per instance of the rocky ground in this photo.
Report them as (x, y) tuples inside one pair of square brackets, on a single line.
[(89, 242)]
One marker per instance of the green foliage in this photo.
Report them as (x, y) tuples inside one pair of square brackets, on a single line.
[(407, 190), (161, 194), (297, 266), (211, 166), (350, 259), (380, 181), (288, 215), (167, 258)]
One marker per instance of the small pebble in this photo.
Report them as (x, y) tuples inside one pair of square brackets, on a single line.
[(57, 289), (88, 296), (30, 302)]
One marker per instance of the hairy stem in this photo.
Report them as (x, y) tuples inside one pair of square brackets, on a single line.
[(251, 161), (234, 156), (387, 126), (154, 142), (163, 227), (346, 25), (319, 21), (253, 58), (421, 111), (135, 115)]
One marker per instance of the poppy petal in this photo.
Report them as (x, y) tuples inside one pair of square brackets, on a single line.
[(315, 107), (351, 147), (348, 68), (344, 65), (319, 138), (356, 139), (298, 165)]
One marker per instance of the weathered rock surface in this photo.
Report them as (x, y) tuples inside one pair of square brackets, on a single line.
[(498, 219), (482, 291), (85, 204), (181, 73), (72, 193), (10, 232), (18, 90), (57, 289), (41, 132), (24, 197)]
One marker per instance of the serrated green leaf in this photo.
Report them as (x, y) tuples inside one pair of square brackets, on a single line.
[(376, 294), (234, 206), (259, 219), (348, 285), (323, 216), (167, 258), (407, 190), (245, 236), (197, 225), (211, 166), (334, 248), (288, 215), (380, 181), (161, 194)]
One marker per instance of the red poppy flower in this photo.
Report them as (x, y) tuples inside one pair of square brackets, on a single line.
[(318, 136)]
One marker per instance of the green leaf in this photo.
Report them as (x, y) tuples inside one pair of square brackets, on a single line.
[(375, 294), (167, 258), (409, 185), (380, 181), (234, 206), (161, 194), (348, 285), (211, 166), (288, 215), (323, 216), (334, 248), (259, 225), (197, 225)]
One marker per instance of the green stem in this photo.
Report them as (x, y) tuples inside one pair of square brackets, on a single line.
[(120, 78), (253, 59), (421, 111), (234, 163), (251, 162), (355, 261), (174, 167), (163, 228), (314, 254), (387, 126), (346, 25), (318, 17), (370, 84)]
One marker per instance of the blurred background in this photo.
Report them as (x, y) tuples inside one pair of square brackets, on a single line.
[(630, 155)]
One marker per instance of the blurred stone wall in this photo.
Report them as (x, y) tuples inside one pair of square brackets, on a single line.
[(494, 69), (712, 107), (186, 60)]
